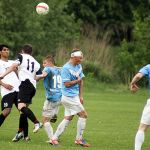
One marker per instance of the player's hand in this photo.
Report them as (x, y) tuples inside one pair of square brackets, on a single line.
[(81, 100), (134, 88), (8, 86), (79, 79)]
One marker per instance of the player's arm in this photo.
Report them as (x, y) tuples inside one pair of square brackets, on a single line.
[(133, 84), (7, 86), (81, 91), (13, 67), (71, 83), (41, 76)]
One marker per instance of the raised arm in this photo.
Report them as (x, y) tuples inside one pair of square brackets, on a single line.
[(136, 78)]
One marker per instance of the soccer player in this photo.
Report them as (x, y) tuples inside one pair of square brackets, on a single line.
[(9, 91), (52, 85), (145, 119), (28, 68), (72, 98)]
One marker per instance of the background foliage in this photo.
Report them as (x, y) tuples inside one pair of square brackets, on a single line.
[(114, 35)]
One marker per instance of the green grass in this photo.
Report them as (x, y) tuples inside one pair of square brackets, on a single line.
[(113, 118)]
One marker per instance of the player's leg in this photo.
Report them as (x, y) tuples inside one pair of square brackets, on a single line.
[(144, 124), (47, 114), (23, 124), (26, 93), (81, 123), (27, 111), (6, 105), (65, 122), (140, 136)]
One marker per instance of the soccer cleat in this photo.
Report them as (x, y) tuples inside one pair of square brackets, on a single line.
[(82, 143), (17, 137), (54, 142), (54, 119), (37, 127)]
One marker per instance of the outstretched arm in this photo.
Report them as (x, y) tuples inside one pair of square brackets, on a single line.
[(41, 76), (13, 67), (136, 78)]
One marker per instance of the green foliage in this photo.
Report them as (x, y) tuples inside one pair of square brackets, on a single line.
[(20, 24), (92, 70)]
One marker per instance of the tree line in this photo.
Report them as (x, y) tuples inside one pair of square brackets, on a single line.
[(70, 22)]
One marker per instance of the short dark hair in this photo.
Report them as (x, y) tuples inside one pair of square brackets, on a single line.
[(50, 58), (2, 46), (27, 48)]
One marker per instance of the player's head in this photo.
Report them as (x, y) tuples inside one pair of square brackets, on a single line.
[(48, 61), (76, 56), (27, 49), (4, 51)]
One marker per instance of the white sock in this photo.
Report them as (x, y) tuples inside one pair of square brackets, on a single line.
[(49, 130), (139, 139), (80, 127), (60, 129)]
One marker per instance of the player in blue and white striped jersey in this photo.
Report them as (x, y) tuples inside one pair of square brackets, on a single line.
[(145, 119), (72, 98), (52, 84)]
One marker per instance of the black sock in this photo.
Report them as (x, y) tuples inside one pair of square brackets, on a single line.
[(29, 114), (2, 118), (26, 125), (23, 124)]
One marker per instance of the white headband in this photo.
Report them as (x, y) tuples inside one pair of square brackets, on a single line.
[(77, 54)]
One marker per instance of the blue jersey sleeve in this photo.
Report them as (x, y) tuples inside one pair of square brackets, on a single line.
[(47, 70), (145, 70), (65, 75)]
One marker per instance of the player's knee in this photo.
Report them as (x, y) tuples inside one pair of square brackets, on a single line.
[(6, 111), (83, 114)]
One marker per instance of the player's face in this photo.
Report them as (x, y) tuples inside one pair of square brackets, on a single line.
[(5, 52), (46, 63), (78, 60)]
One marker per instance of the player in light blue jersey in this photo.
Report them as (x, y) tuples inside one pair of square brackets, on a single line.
[(52, 85), (72, 98), (145, 119)]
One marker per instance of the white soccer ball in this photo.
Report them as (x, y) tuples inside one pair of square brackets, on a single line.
[(42, 8)]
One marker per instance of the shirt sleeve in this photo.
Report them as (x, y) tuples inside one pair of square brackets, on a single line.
[(145, 70), (39, 72), (19, 59), (47, 70), (65, 75)]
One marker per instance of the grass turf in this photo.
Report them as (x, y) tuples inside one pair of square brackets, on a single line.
[(113, 118)]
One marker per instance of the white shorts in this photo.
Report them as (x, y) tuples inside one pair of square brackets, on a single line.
[(50, 108), (145, 119), (72, 105)]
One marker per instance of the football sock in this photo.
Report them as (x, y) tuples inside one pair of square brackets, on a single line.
[(2, 118), (29, 114), (49, 130), (60, 129), (139, 139), (80, 127), (26, 126)]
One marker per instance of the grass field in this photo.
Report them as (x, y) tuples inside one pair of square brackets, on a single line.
[(113, 118)]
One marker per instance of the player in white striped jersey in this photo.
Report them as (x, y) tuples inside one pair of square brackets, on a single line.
[(28, 68), (9, 87)]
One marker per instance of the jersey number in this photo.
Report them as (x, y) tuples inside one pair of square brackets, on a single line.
[(57, 81), (30, 66)]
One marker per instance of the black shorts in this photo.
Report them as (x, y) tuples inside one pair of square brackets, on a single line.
[(26, 92), (8, 100)]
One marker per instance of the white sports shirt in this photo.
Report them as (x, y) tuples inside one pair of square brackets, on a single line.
[(28, 68), (11, 78)]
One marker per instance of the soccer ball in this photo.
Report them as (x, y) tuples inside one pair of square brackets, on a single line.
[(42, 8)]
